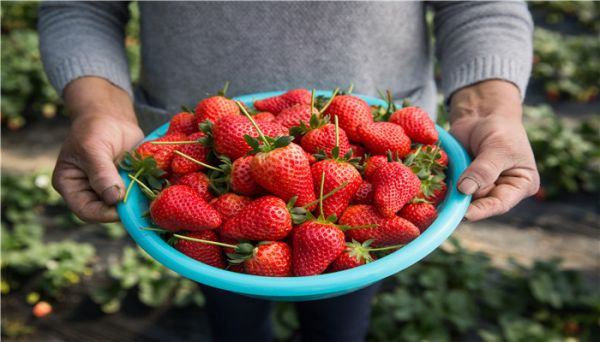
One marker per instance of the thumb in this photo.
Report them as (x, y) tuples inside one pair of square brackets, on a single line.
[(482, 173), (104, 177)]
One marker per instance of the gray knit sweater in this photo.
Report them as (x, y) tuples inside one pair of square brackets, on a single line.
[(191, 48)]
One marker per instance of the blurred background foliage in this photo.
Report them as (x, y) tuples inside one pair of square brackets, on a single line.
[(449, 296)]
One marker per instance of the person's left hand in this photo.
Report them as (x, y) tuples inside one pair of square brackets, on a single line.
[(487, 119)]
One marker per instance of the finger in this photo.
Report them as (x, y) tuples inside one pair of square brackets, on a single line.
[(483, 192), (502, 198), (482, 173), (73, 185), (103, 176)]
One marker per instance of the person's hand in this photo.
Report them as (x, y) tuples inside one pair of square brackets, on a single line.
[(487, 119), (103, 127)]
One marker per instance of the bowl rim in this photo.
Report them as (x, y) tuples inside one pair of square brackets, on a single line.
[(450, 214)]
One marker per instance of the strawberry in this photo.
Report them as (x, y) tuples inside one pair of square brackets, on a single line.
[(316, 244), (352, 113), (381, 137), (278, 103), (197, 181), (228, 134), (179, 207), (215, 108), (358, 151), (390, 231), (364, 193), (322, 137), (284, 171), (311, 158), (162, 154), (357, 254), (393, 186), (229, 204), (241, 179), (183, 122), (266, 218), (433, 190), (237, 268), (293, 116), (271, 259), (420, 213), (198, 151), (417, 124), (263, 116), (372, 164), (209, 254), (329, 174)]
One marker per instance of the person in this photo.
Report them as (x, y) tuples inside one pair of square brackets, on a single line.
[(189, 49)]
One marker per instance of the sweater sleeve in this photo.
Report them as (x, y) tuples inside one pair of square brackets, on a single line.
[(84, 39), (477, 41)]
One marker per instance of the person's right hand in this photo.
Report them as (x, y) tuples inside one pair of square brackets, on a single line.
[(104, 126)]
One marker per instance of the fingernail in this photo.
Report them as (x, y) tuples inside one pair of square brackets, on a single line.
[(111, 195), (468, 186)]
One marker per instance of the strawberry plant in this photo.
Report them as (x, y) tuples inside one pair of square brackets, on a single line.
[(155, 284), (568, 159)]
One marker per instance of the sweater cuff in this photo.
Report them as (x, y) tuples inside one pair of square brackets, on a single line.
[(487, 68), (73, 68)]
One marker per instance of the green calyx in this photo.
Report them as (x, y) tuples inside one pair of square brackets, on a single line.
[(424, 162), (266, 144), (363, 251), (142, 169), (220, 181), (150, 193)]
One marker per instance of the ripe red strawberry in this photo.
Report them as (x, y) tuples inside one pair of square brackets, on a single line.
[(355, 254), (179, 207), (228, 134), (358, 151), (420, 213), (432, 191), (352, 113), (264, 116), (214, 108), (162, 154), (285, 172), (293, 116), (209, 254), (381, 137), (337, 172), (229, 204), (364, 194), (198, 151), (323, 138), (241, 179), (278, 103), (391, 231), (271, 259), (183, 122), (372, 164), (417, 124), (393, 186), (265, 219), (199, 182), (237, 268), (311, 158), (315, 245)]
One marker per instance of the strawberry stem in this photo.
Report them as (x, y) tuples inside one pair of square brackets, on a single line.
[(179, 153), (385, 248), (260, 133), (312, 99), (336, 189), (137, 174), (144, 187), (155, 229), (223, 91), (337, 131), (183, 237), (321, 194), (330, 100), (186, 142)]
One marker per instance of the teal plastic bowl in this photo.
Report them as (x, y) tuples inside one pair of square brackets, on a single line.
[(451, 212)]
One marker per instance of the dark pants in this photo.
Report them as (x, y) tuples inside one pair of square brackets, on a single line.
[(235, 317)]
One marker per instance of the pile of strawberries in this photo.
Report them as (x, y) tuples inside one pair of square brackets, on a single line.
[(295, 186)]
